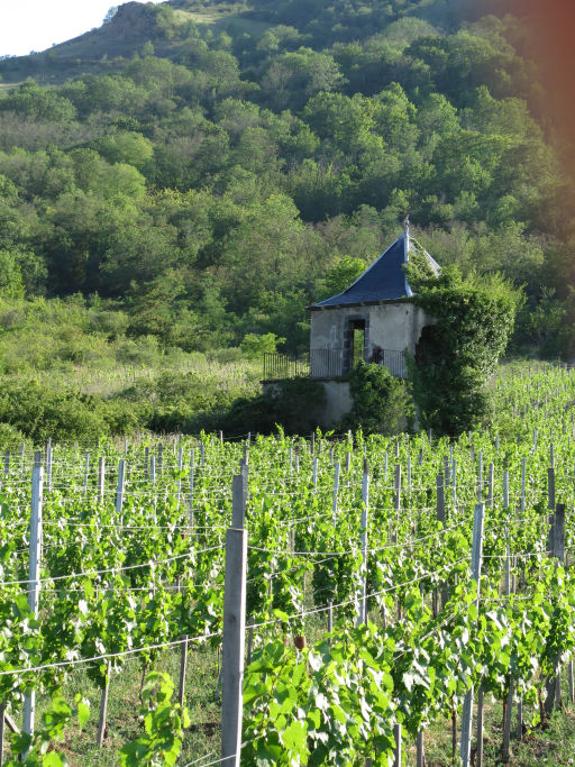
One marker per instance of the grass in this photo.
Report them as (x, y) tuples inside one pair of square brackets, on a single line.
[(552, 746), (123, 722)]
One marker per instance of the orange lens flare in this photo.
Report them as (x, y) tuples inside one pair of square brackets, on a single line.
[(550, 26)]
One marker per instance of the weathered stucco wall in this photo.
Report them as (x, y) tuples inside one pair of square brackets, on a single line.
[(339, 402), (391, 326)]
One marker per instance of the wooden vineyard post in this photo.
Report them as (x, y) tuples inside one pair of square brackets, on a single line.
[(335, 492), (397, 733), (396, 500), (314, 474), (491, 481), (556, 549), (476, 555), (480, 723), (160, 462), (120, 487), (180, 469), (551, 488), (508, 707), (191, 488), (2, 731), (103, 709), (362, 602), (480, 478), (183, 669), (34, 574), (420, 750), (86, 473), (49, 464), (101, 479), (507, 588), (440, 499), (251, 623), (440, 512), (454, 484), (234, 626)]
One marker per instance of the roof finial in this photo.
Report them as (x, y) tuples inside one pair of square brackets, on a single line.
[(406, 225)]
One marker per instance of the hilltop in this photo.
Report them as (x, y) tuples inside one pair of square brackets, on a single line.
[(136, 27), (131, 27)]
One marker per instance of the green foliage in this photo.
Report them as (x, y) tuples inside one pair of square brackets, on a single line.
[(470, 324), (381, 402), (39, 414), (256, 346), (213, 179), (342, 274), (11, 279), (216, 178), (164, 725), (37, 750), (310, 705), (295, 405)]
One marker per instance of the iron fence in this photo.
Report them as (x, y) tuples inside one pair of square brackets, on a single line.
[(280, 366), (328, 363)]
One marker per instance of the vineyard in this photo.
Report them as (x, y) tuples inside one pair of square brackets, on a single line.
[(367, 591)]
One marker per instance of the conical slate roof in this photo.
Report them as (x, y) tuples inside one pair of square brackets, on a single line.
[(384, 280)]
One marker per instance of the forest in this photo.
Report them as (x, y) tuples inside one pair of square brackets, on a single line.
[(180, 184)]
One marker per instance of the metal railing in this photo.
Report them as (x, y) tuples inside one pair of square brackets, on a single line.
[(281, 366), (328, 363), (395, 361), (334, 363)]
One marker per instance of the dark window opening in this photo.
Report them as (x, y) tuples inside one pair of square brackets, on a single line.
[(356, 343), (428, 345)]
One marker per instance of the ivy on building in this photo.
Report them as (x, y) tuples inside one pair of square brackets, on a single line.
[(471, 322)]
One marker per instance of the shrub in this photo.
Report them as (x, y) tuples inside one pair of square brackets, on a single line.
[(381, 403), (29, 409), (294, 405), (254, 346), (459, 352), (10, 437)]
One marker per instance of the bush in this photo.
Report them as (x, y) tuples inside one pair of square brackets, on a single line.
[(29, 409), (381, 403), (294, 405), (10, 437), (254, 346), (459, 352)]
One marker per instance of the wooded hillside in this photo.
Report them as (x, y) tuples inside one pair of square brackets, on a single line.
[(210, 168)]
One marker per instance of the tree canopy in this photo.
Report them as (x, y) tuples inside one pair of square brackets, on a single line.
[(216, 178)]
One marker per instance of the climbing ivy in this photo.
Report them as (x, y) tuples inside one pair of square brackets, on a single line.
[(471, 323)]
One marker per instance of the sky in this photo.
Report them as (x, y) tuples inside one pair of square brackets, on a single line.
[(34, 25)]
